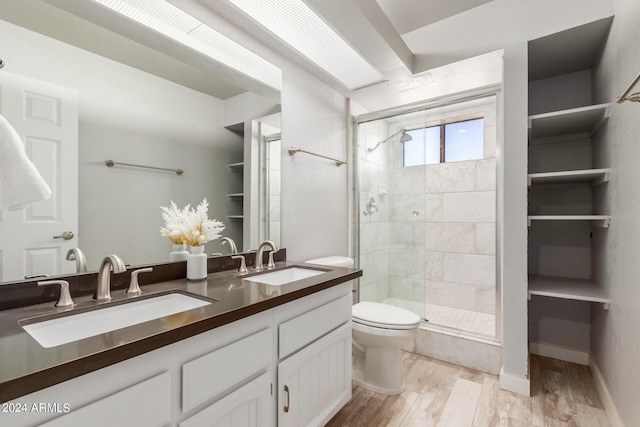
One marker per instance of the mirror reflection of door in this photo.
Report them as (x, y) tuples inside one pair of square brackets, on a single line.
[(35, 240)]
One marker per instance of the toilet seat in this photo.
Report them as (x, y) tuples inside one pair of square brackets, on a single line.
[(384, 316)]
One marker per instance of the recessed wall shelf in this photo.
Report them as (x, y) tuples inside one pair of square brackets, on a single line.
[(568, 122), (567, 288), (237, 169), (596, 220), (592, 176)]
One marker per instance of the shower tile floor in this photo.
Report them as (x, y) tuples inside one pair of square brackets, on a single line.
[(456, 318)]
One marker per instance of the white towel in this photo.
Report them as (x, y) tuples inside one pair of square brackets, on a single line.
[(20, 181)]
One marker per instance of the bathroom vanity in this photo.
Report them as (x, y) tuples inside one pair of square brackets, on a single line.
[(258, 354)]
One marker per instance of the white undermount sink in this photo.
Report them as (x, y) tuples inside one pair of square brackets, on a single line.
[(66, 329), (284, 276)]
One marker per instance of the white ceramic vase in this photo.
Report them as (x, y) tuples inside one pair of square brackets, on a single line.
[(178, 253), (197, 263)]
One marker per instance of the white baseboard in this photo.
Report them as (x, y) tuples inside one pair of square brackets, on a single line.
[(605, 396), (561, 353), (515, 383)]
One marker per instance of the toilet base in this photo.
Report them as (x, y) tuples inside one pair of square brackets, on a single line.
[(380, 371), (358, 378)]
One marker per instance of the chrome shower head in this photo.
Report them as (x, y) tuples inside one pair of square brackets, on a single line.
[(405, 137)]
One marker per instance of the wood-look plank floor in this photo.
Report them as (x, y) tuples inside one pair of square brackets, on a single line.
[(440, 394)]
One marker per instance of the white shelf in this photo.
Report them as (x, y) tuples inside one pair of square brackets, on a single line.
[(592, 176), (235, 195), (235, 216), (238, 165), (568, 122), (596, 220), (562, 287)]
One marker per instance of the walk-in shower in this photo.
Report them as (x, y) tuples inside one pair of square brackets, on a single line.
[(429, 245)]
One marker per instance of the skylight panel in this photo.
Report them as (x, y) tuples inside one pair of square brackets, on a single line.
[(297, 25)]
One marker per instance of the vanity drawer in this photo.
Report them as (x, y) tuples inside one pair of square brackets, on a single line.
[(213, 373), (300, 331), (146, 404)]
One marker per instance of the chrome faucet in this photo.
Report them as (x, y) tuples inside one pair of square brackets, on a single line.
[(103, 288), (75, 254), (258, 263), (232, 245)]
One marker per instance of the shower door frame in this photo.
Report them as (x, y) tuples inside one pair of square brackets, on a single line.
[(354, 177)]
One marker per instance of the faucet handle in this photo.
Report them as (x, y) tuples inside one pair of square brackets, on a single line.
[(270, 264), (134, 287), (243, 264), (65, 297)]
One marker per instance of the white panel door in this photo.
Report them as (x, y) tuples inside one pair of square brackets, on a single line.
[(315, 383), (46, 118)]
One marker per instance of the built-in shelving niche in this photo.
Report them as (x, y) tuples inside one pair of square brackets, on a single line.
[(565, 182), (237, 169), (554, 128), (237, 198)]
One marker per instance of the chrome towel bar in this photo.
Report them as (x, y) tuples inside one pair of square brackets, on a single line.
[(111, 163), (294, 150)]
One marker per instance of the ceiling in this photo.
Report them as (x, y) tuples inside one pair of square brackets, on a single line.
[(401, 38), (409, 15), (404, 38), (79, 24)]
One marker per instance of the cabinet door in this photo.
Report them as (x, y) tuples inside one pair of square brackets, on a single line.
[(315, 383), (249, 406)]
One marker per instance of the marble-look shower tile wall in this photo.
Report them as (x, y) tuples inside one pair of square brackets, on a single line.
[(373, 255), (442, 226)]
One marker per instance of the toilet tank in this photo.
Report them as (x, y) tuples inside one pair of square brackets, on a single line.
[(334, 261), (338, 261)]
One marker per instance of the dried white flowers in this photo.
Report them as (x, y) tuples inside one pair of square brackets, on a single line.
[(189, 226)]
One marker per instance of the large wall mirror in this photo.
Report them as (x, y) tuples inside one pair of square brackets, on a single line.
[(141, 100)]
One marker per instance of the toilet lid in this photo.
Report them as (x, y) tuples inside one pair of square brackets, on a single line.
[(384, 316)]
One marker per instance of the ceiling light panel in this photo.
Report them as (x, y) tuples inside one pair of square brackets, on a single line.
[(297, 25), (176, 24)]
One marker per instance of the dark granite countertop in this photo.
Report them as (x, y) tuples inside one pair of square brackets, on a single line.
[(26, 366)]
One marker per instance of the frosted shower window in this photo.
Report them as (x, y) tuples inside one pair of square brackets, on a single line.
[(445, 143)]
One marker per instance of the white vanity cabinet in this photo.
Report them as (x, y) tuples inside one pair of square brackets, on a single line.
[(290, 366), (169, 386), (314, 353)]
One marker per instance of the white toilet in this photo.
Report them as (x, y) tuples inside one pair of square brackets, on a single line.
[(379, 330)]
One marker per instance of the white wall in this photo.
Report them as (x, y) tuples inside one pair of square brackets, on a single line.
[(512, 219), (314, 190), (615, 334), (129, 116)]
